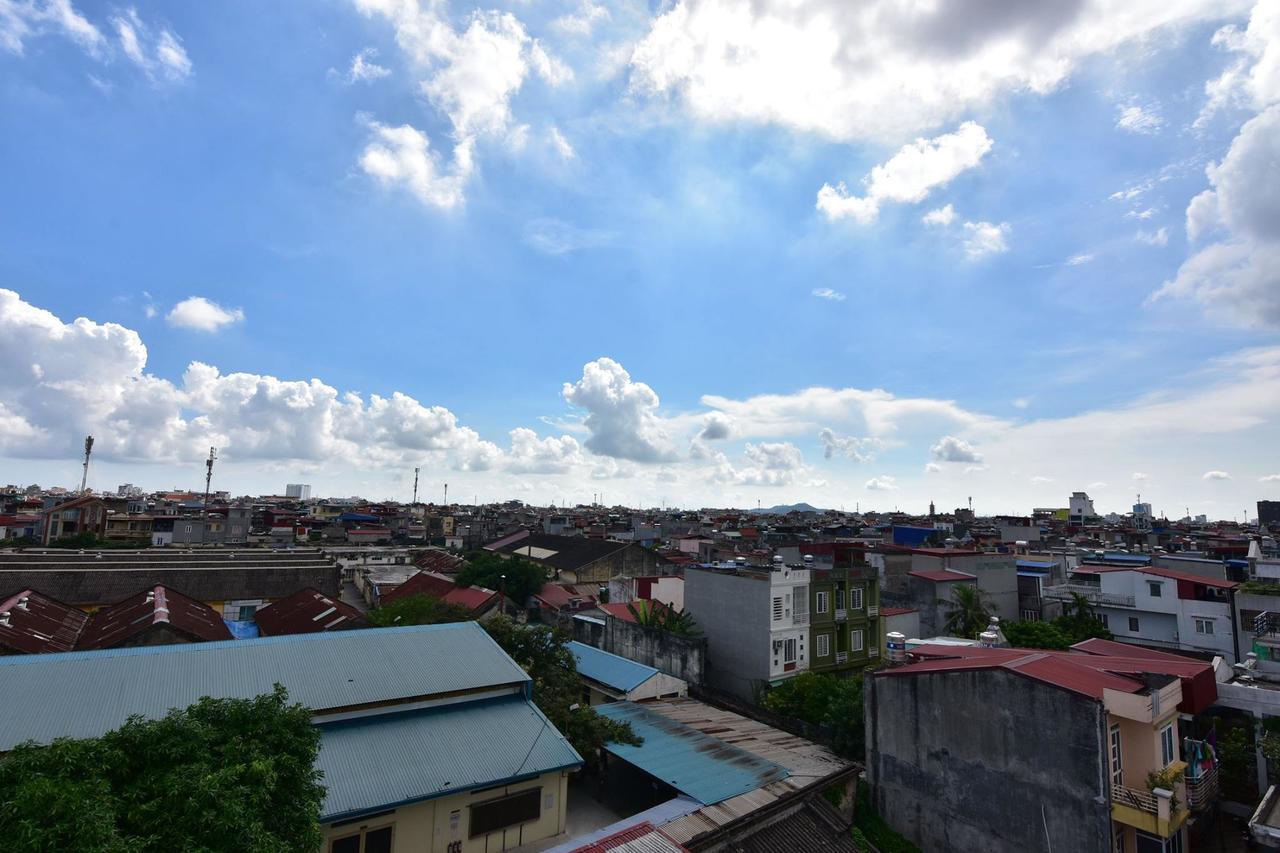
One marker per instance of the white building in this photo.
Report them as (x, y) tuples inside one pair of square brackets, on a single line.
[(300, 491), (1081, 507)]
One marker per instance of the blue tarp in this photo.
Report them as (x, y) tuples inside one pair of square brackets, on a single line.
[(242, 630), (911, 537)]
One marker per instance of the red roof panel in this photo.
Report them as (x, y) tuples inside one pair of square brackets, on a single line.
[(307, 611)]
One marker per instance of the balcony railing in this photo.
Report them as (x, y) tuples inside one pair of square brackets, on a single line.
[(1266, 624), (841, 614), (873, 611), (1091, 593), (1202, 791), (842, 657), (800, 618), (1133, 798)]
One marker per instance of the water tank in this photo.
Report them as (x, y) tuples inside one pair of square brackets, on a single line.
[(896, 642)]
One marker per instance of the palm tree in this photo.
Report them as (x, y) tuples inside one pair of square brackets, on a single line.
[(1079, 608), (665, 617), (968, 612)]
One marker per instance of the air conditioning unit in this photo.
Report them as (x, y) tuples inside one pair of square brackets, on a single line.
[(777, 644)]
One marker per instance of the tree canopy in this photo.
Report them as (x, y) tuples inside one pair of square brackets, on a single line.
[(544, 653), (825, 700), (968, 612), (665, 617), (220, 775), (420, 609), (523, 577)]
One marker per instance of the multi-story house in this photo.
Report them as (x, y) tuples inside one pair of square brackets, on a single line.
[(1154, 606), (756, 620), (1004, 750), (74, 517), (844, 610)]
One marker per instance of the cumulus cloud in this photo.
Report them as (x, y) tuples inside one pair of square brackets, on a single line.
[(849, 446), (622, 415), (768, 464), (716, 427), (1216, 475), (952, 449), (364, 69), (471, 75), (551, 455), (932, 468), (584, 20), (828, 293), (882, 69), (943, 216), (203, 315), (910, 175), (1136, 118), (402, 155), (1251, 81), (985, 238), (883, 483)]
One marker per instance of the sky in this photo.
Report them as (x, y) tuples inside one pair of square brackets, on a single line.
[(692, 253)]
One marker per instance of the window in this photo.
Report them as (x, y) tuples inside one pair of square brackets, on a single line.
[(247, 612), (824, 602), (823, 642), (1166, 746), (1148, 843), (789, 651), (856, 640), (839, 598), (1204, 626), (1133, 624), (1117, 764), (500, 813), (855, 598), (1102, 617), (1153, 587), (364, 841), (188, 528), (1119, 839), (777, 608)]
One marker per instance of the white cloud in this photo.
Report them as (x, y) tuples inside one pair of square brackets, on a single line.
[(881, 69), (1077, 260), (952, 449), (1141, 214), (769, 464), (582, 22), (883, 483), (155, 53), (943, 216), (1238, 277), (363, 69), (552, 455), (910, 175), (1216, 475), (1021, 402), (1253, 80), (402, 155), (932, 468), (1270, 478), (24, 19), (985, 238), (716, 427), (203, 315), (622, 415), (828, 293), (561, 145), (852, 447), (1139, 119), (1130, 193), (555, 237), (1159, 237), (1038, 481), (1139, 477)]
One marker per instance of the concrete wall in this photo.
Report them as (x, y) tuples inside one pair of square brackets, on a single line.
[(441, 825), (987, 760), (683, 657), (733, 612)]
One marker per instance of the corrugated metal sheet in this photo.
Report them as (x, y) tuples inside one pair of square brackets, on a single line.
[(83, 694), (704, 767), (374, 763), (610, 669)]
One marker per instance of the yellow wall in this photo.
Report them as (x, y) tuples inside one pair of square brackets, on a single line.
[(433, 827)]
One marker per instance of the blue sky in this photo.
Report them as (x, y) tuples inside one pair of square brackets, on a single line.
[(604, 227)]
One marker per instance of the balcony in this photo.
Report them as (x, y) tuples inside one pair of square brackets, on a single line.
[(842, 657), (841, 614), (1145, 811), (1091, 593), (800, 619), (873, 611), (1202, 791)]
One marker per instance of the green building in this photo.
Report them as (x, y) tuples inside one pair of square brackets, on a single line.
[(844, 613)]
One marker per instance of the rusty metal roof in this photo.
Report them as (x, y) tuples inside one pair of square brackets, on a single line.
[(307, 611)]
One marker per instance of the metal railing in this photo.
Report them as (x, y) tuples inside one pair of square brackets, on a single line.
[(1133, 798), (842, 657), (1266, 622), (1203, 789), (1091, 593), (800, 618), (873, 611), (841, 614)]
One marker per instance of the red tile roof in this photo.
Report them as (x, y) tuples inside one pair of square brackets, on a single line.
[(307, 611), (618, 611), (1088, 669), (117, 624), (943, 575)]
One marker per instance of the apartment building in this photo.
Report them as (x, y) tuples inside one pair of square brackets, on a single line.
[(844, 620), (994, 749), (756, 620), (1154, 606)]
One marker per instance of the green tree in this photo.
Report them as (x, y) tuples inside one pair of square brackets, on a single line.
[(968, 612), (825, 700), (1035, 635), (544, 653), (220, 775), (1080, 622), (664, 617), (523, 577), (418, 609)]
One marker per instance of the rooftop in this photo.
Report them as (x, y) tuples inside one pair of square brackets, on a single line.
[(306, 611), (609, 669), (943, 575)]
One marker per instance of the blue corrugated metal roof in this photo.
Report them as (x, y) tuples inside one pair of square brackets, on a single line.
[(609, 669), (375, 763), (1036, 565), (83, 694), (694, 763), (1113, 557)]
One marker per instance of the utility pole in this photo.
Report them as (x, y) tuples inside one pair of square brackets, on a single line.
[(88, 448), (446, 494), (204, 508), (415, 486)]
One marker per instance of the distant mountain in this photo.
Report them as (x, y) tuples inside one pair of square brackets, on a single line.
[(783, 509)]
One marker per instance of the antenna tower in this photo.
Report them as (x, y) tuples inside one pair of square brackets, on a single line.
[(415, 486), (88, 448)]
